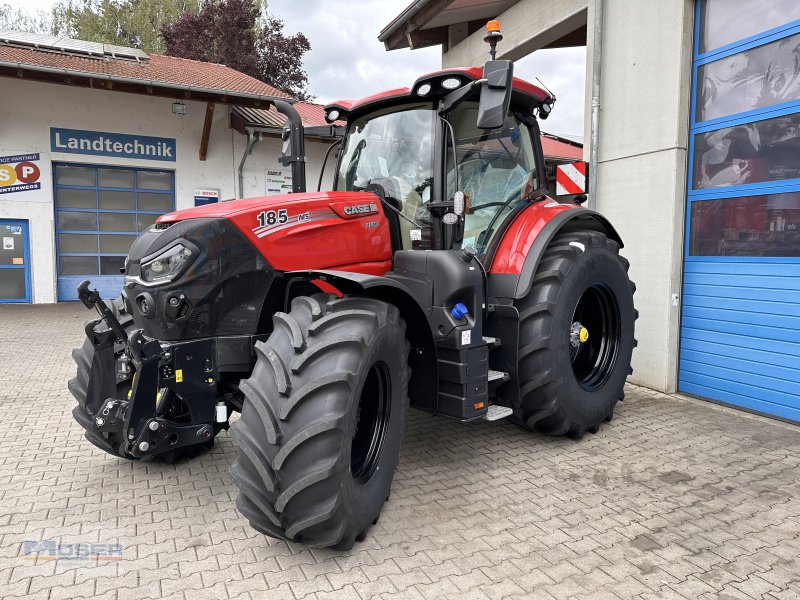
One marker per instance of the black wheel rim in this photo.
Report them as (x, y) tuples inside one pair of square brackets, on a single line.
[(372, 419), (593, 360)]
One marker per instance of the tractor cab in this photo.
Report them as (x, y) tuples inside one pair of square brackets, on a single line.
[(452, 156)]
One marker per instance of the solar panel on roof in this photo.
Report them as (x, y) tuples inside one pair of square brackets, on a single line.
[(24, 38), (124, 52), (66, 44)]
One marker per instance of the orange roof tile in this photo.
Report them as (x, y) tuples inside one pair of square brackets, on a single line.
[(160, 70), (553, 148)]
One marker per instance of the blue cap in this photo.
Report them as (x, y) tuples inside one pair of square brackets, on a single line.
[(458, 311)]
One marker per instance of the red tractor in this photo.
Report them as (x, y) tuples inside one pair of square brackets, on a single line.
[(437, 272)]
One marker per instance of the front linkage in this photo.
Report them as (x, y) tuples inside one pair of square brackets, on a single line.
[(153, 419)]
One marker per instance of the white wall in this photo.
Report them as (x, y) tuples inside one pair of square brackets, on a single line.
[(29, 109), (643, 133)]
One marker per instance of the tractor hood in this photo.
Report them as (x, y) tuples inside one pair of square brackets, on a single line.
[(206, 270), (230, 208)]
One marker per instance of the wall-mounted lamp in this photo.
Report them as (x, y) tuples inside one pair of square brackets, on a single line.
[(178, 108)]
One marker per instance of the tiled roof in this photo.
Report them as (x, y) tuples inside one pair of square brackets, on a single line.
[(553, 148), (160, 70)]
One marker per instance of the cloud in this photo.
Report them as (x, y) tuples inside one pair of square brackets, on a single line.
[(348, 61)]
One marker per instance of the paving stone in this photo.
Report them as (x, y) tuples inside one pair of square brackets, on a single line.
[(675, 498)]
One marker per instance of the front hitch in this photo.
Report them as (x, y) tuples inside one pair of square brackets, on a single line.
[(186, 370), (91, 299)]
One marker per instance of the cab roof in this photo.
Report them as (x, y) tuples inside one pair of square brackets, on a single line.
[(523, 92)]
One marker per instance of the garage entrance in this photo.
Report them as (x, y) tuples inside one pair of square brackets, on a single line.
[(100, 210), (741, 295), (15, 270)]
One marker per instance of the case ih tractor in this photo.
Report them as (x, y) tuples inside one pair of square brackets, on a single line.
[(436, 273)]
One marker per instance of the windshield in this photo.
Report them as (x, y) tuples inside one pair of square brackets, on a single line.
[(395, 144), (495, 169)]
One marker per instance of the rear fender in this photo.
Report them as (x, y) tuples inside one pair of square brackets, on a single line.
[(524, 242), (422, 388)]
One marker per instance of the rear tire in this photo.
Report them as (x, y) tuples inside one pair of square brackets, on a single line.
[(568, 388), (322, 421)]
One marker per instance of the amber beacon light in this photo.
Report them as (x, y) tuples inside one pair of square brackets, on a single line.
[(493, 36)]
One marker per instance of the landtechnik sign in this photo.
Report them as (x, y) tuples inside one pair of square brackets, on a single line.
[(103, 143)]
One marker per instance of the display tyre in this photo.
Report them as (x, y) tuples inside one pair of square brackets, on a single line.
[(322, 421), (576, 336), (78, 385)]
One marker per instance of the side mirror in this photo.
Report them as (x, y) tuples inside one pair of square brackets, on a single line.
[(495, 93)]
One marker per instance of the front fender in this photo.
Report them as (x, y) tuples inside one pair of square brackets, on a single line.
[(422, 389)]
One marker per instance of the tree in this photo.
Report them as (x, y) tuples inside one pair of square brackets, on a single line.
[(20, 20), (136, 23), (238, 34)]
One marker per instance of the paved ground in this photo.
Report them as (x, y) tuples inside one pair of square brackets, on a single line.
[(673, 499)]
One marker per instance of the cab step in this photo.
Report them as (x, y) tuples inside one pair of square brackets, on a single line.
[(498, 376), (495, 412)]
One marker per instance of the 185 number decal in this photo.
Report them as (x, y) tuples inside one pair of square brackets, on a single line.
[(272, 217)]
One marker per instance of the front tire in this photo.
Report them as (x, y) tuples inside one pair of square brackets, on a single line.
[(576, 336), (322, 421)]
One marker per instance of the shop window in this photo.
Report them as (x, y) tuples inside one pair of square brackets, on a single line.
[(111, 265), (766, 225), (109, 200), (77, 265), (111, 221), (761, 151), (154, 180), (756, 78), (76, 221), (116, 178), (723, 22), (154, 202), (116, 243), (72, 198), (70, 175), (77, 242)]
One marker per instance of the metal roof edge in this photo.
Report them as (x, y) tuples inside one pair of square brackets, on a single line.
[(411, 10)]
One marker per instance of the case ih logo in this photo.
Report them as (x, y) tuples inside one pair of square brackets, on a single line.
[(360, 209), (53, 550)]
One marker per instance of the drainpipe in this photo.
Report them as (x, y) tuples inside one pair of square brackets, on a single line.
[(252, 140), (597, 61)]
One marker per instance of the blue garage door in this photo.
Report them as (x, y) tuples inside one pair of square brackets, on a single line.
[(741, 297), (99, 213)]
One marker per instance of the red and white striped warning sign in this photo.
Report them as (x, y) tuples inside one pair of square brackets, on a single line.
[(571, 179)]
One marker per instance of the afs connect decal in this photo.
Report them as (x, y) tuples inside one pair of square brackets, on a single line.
[(270, 221)]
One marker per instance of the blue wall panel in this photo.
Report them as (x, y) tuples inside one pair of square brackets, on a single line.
[(740, 335)]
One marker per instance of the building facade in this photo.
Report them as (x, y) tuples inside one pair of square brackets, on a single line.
[(698, 167), (84, 168)]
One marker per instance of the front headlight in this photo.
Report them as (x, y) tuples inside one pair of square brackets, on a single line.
[(167, 265)]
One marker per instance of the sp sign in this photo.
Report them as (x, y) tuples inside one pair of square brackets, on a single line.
[(19, 173)]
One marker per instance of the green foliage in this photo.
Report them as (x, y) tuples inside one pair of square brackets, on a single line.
[(136, 23)]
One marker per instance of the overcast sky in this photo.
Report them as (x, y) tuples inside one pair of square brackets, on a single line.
[(348, 61)]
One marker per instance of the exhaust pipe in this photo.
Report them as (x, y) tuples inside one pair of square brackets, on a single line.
[(294, 146)]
